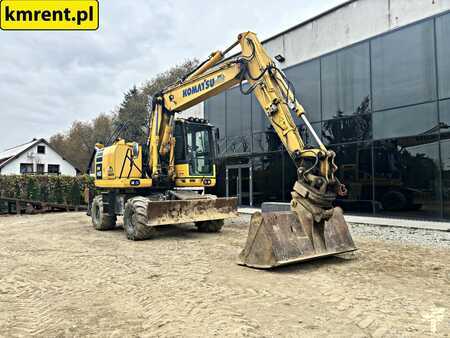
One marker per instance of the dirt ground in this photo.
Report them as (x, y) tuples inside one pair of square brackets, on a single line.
[(60, 277)]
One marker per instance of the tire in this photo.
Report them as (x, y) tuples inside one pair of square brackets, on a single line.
[(135, 219), (101, 220), (210, 226)]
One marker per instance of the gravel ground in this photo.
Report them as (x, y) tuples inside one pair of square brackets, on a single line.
[(438, 239), (61, 278), (431, 238)]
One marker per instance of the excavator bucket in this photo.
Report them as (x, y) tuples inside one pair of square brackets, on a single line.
[(190, 210), (281, 238)]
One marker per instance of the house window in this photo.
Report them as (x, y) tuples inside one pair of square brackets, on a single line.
[(41, 149), (26, 168), (53, 169), (40, 169)]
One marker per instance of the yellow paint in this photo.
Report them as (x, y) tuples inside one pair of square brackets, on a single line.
[(123, 183), (114, 158), (49, 15)]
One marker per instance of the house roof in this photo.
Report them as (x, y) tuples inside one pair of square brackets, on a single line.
[(8, 155)]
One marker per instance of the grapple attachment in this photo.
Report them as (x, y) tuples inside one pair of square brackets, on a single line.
[(281, 238), (190, 210)]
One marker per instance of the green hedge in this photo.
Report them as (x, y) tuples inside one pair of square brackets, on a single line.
[(56, 189)]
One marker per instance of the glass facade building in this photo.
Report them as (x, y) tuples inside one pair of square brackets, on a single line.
[(383, 105)]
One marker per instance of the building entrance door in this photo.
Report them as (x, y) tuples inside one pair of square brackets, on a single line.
[(239, 183)]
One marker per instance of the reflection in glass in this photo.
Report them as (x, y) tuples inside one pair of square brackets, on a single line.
[(420, 119), (238, 144), (444, 113), (403, 67), (445, 158), (215, 112), (345, 80), (349, 128), (267, 178), (355, 171), (267, 141), (306, 81), (406, 175), (443, 54)]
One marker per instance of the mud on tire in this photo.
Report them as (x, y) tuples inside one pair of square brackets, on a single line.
[(101, 220), (135, 219), (210, 226)]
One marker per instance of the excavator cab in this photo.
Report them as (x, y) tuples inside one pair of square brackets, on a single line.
[(194, 153)]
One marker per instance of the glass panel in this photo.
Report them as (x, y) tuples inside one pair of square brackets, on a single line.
[(307, 136), (238, 121), (349, 129), (220, 188), (199, 150), (53, 169), (346, 82), (406, 174), (27, 168), (215, 114), (289, 177), (444, 113), (355, 171), (306, 81), (266, 141), (259, 118), (421, 119), (445, 154), (403, 67), (267, 178), (445, 157), (443, 54), (233, 107), (40, 168), (239, 144), (246, 111)]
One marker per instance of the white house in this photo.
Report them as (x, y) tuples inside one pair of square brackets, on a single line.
[(37, 157)]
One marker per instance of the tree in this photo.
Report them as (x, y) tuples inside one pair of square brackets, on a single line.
[(133, 111), (78, 143)]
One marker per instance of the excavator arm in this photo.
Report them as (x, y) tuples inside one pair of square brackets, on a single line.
[(317, 228)]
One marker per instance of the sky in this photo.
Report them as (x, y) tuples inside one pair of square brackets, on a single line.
[(50, 79)]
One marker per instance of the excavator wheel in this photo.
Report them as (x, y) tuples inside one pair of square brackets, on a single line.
[(210, 226), (101, 220), (135, 219)]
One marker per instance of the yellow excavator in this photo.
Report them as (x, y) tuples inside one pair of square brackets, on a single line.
[(154, 184)]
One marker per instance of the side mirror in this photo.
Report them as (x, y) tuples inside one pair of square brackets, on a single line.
[(217, 133)]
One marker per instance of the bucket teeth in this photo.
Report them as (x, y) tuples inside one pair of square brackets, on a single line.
[(281, 238)]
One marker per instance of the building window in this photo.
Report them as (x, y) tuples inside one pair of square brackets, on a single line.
[(53, 169), (443, 54), (346, 82), (306, 81), (40, 168), (26, 168), (41, 149), (409, 121), (403, 67)]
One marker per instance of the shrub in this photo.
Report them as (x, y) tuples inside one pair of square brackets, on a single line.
[(57, 189)]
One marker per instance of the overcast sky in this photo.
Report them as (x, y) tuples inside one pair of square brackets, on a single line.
[(50, 79)]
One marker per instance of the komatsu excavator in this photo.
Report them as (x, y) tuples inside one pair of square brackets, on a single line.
[(149, 184)]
